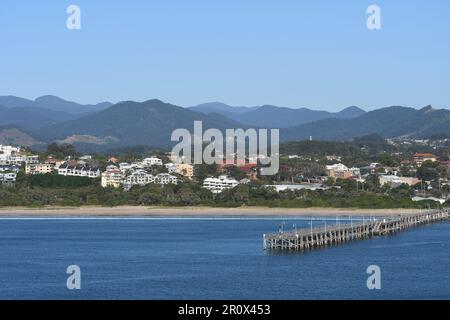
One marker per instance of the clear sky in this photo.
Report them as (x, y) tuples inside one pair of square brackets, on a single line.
[(293, 53)]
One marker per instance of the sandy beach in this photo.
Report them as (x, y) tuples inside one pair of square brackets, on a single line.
[(193, 211)]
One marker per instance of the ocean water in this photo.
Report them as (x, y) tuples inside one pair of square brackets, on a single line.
[(212, 259)]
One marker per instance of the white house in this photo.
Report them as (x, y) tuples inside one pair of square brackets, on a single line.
[(78, 171), (396, 180), (337, 167), (293, 187), (217, 185)]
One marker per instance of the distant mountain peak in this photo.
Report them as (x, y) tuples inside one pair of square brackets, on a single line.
[(428, 108), (221, 108), (135, 123), (353, 108), (155, 101), (49, 97)]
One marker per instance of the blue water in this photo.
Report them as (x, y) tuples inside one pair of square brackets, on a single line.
[(212, 259)]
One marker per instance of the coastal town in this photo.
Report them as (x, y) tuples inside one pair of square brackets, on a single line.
[(425, 174)]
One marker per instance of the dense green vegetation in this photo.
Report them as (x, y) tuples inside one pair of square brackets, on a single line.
[(54, 181), (53, 190)]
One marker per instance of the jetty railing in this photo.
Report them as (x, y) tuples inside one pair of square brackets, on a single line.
[(317, 237)]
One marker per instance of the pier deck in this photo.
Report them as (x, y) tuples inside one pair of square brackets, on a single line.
[(309, 238)]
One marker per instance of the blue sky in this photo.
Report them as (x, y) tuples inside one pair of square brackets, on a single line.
[(292, 53)]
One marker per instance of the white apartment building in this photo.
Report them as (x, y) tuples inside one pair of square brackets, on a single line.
[(152, 161), (171, 167), (32, 159), (55, 162), (8, 178), (8, 150), (9, 168), (113, 177), (124, 166), (78, 171), (139, 177), (420, 158), (217, 185), (12, 160), (18, 159), (165, 178)]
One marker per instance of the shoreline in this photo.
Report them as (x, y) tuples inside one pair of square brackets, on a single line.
[(144, 211)]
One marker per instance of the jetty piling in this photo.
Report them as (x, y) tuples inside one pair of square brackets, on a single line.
[(316, 237)]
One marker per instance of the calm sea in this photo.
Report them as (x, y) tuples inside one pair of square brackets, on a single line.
[(212, 259)]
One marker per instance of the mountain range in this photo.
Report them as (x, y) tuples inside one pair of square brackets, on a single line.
[(150, 123), (273, 116), (132, 123), (387, 122), (53, 103)]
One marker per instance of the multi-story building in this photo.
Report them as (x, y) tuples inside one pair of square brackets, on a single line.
[(420, 158), (185, 169), (165, 178), (78, 171), (125, 166), (32, 159), (356, 172), (113, 177), (9, 150), (217, 185), (17, 159), (9, 168), (394, 181), (8, 179), (40, 168), (139, 177), (12, 159), (339, 171), (152, 161), (171, 167), (53, 161)]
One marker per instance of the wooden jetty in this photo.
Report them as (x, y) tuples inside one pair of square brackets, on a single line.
[(317, 237)]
